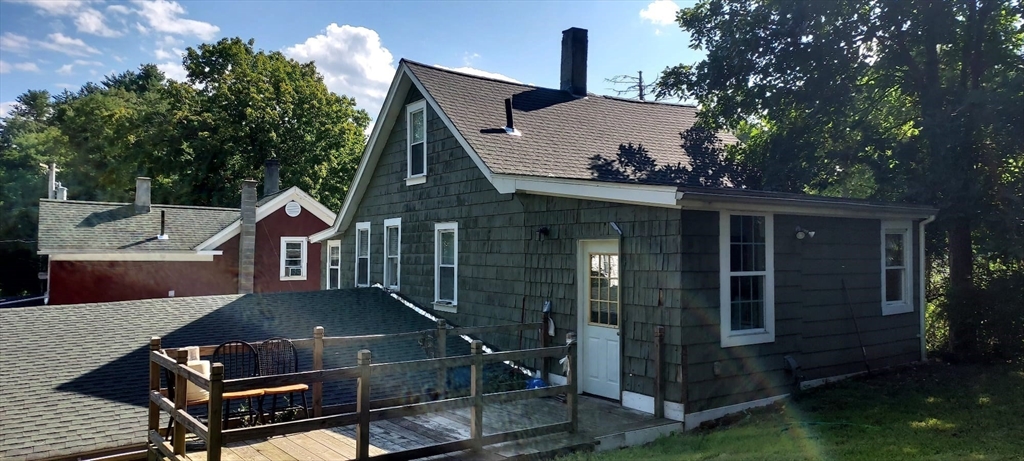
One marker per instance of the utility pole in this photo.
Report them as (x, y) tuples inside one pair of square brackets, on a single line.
[(635, 85)]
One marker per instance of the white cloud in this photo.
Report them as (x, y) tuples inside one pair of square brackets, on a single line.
[(82, 62), (173, 70), (14, 43), (70, 46), (479, 73), (167, 48), (660, 12), (6, 107), (65, 69), (88, 19), (141, 28), (119, 9), (6, 67), (353, 62), (165, 16)]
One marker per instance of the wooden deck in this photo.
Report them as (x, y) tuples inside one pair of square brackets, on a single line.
[(600, 423)]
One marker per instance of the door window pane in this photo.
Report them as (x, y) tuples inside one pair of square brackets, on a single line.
[(604, 289)]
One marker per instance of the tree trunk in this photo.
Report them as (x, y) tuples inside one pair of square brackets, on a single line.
[(962, 319)]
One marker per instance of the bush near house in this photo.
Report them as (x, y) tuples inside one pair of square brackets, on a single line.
[(935, 412)]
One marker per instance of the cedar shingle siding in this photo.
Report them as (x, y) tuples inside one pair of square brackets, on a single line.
[(670, 276)]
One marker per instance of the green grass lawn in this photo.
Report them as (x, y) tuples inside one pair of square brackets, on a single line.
[(933, 412)]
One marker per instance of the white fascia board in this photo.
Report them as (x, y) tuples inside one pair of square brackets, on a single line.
[(795, 206), (638, 194), (385, 121), (135, 256), (267, 209)]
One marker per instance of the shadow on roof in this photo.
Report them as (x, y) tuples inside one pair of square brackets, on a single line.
[(708, 166), (103, 217), (256, 317), (537, 99)]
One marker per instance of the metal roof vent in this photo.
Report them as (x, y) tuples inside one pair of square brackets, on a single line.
[(163, 229), (510, 126)]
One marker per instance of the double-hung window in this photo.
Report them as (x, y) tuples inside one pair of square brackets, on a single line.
[(416, 143), (363, 254), (896, 279), (293, 258), (446, 266), (747, 263), (392, 252), (333, 264)]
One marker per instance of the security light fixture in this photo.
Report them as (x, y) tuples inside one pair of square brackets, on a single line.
[(802, 233)]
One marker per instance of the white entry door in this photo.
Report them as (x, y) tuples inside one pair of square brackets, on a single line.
[(598, 299)]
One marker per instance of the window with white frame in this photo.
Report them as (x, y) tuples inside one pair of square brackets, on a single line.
[(333, 264), (392, 252), (363, 254), (293, 258), (896, 274), (747, 264), (446, 264), (416, 143)]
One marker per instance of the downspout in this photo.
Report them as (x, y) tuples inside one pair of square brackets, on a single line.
[(922, 302)]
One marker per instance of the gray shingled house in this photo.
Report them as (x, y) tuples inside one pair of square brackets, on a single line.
[(484, 199)]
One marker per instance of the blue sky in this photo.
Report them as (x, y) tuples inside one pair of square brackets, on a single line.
[(51, 44)]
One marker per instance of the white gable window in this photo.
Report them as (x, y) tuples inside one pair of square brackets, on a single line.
[(293, 258), (416, 143), (747, 263), (333, 264), (446, 266), (363, 254), (392, 252), (896, 275)]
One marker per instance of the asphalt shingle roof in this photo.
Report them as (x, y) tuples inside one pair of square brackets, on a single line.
[(565, 136), (73, 378), (100, 226)]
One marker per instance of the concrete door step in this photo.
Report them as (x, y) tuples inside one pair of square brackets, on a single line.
[(639, 435)]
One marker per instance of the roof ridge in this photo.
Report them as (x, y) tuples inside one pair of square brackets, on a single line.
[(161, 205), (637, 101), (481, 77)]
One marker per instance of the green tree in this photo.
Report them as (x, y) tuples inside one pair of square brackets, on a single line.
[(913, 100), (240, 107)]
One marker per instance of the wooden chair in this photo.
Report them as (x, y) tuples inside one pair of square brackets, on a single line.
[(240, 360), (278, 356)]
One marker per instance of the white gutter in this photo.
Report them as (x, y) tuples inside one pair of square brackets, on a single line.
[(921, 291)]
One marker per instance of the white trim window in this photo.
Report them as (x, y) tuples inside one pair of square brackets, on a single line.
[(293, 258), (416, 143), (896, 273), (392, 252), (333, 264), (362, 254), (747, 269), (446, 265)]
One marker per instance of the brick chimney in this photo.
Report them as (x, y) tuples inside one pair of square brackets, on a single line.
[(574, 61), (143, 202), (247, 238), (272, 177)]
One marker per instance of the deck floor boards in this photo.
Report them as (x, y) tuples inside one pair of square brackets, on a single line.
[(597, 418)]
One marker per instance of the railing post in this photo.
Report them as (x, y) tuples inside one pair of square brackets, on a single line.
[(545, 341), (572, 396), (180, 400), (214, 443), (363, 406), (659, 373), (154, 385), (441, 351), (476, 421), (318, 364)]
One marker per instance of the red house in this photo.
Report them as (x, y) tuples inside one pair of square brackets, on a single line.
[(101, 252)]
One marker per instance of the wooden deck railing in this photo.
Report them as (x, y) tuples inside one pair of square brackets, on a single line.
[(366, 410)]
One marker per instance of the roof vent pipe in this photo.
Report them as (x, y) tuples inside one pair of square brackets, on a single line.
[(163, 227), (510, 126)]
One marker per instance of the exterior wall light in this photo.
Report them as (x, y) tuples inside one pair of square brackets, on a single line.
[(802, 233)]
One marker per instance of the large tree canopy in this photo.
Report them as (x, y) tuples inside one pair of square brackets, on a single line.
[(910, 100), (196, 139)]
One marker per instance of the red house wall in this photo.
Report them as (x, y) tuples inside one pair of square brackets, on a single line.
[(74, 282), (269, 231)]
